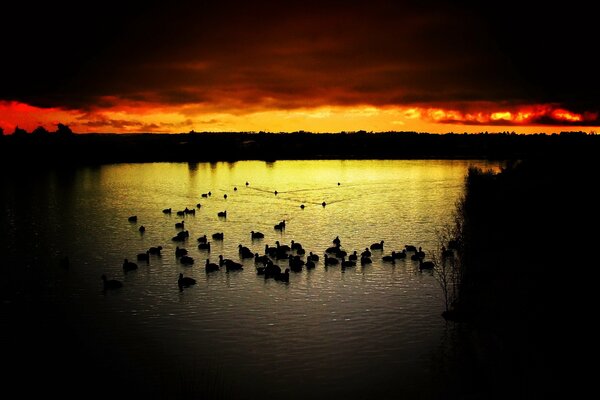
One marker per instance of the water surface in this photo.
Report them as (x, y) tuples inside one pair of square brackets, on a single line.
[(362, 332)]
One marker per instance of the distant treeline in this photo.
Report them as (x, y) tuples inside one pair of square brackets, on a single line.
[(67, 148)]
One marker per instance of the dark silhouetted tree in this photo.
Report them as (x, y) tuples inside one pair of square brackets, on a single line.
[(1, 131), (40, 131), (63, 130), (19, 132)]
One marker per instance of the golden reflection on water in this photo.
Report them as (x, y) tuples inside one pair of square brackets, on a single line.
[(383, 318)]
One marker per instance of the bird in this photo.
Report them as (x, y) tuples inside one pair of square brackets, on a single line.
[(389, 258), (347, 263), (365, 260), (110, 284), (222, 214), (186, 260), (425, 264), (399, 254), (142, 229), (185, 281), (218, 236), (180, 251), (283, 276), (144, 256), (155, 250), (331, 260), (377, 246), (180, 225), (129, 266), (211, 266), (257, 235), (133, 218), (167, 211), (204, 246)]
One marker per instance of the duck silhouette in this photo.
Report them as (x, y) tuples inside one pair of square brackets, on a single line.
[(110, 284)]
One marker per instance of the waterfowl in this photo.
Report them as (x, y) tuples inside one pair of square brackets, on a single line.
[(280, 226), (181, 236), (198, 205), (282, 247), (110, 284), (230, 265), (337, 241), (180, 251), (180, 225), (399, 254), (347, 263), (425, 264), (313, 257), (353, 256), (257, 235), (245, 252), (270, 250), (296, 263), (222, 214), (142, 229), (144, 256), (233, 266), (155, 250), (210, 267), (167, 211), (133, 218), (185, 281), (129, 266), (284, 276), (330, 260), (258, 259), (204, 246), (389, 258), (366, 253), (218, 236), (365, 260), (203, 239), (225, 196), (377, 246), (186, 260), (302, 206)]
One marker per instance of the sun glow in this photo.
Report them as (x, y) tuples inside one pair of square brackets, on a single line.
[(138, 117)]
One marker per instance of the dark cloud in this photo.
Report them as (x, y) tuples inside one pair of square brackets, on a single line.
[(234, 55)]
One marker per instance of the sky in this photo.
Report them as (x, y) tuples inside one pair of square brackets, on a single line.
[(284, 66)]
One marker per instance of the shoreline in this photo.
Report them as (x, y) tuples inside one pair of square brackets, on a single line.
[(93, 149)]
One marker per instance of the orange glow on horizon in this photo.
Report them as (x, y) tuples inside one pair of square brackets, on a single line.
[(138, 117)]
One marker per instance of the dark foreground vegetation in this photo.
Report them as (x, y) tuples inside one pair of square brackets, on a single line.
[(527, 289), (72, 148)]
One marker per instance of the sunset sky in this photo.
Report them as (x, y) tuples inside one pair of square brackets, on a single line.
[(282, 66)]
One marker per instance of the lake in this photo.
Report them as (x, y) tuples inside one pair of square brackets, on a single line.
[(370, 331)]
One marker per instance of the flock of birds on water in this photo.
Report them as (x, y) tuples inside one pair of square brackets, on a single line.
[(294, 255)]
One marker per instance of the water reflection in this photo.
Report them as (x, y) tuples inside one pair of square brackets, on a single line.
[(360, 332)]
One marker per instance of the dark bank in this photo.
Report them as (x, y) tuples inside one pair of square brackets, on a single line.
[(69, 149)]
